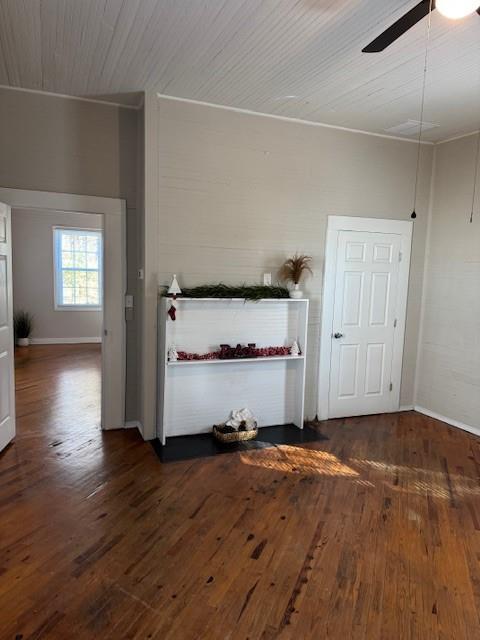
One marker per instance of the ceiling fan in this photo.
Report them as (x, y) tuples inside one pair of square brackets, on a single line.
[(450, 8)]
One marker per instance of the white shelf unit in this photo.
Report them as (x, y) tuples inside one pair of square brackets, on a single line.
[(182, 363), (193, 395)]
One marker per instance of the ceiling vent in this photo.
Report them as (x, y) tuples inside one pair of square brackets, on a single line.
[(411, 128)]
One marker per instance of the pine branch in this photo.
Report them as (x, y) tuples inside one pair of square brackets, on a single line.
[(249, 292)]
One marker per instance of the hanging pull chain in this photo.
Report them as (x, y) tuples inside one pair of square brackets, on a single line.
[(422, 109)]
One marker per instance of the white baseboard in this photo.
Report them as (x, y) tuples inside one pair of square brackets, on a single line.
[(406, 407), (65, 340), (450, 421)]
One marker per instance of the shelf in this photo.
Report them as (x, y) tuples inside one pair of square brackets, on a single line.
[(183, 363), (194, 394), (180, 299)]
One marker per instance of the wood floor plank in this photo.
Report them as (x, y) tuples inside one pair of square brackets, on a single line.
[(373, 534)]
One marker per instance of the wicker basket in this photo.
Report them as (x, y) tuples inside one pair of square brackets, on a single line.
[(234, 436)]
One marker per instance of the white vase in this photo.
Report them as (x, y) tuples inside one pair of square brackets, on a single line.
[(296, 292), (23, 342)]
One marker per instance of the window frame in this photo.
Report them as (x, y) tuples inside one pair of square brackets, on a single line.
[(57, 270)]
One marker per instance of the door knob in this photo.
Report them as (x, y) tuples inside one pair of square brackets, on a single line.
[(337, 336)]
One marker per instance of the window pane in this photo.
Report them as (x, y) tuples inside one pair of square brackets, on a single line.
[(92, 279), (92, 244), (67, 259), (67, 241), (80, 243), (67, 296), (92, 261), (93, 297), (80, 260), (80, 295), (68, 279), (80, 279)]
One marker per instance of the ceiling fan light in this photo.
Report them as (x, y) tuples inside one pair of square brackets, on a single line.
[(456, 9)]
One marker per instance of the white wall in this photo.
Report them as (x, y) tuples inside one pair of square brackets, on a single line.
[(33, 275), (229, 195), (449, 351)]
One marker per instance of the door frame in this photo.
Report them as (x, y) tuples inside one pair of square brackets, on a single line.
[(7, 436), (115, 284), (335, 225)]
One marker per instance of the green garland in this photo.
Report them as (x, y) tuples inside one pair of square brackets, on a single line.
[(249, 292)]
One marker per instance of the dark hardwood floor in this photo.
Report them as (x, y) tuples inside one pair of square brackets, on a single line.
[(373, 534)]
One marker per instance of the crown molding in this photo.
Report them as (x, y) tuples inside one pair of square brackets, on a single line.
[(69, 97), (459, 137), (289, 119)]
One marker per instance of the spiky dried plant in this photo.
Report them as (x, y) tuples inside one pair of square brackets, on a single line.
[(293, 269), (22, 324)]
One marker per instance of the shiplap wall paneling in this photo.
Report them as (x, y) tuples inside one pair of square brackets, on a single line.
[(448, 376), (241, 193)]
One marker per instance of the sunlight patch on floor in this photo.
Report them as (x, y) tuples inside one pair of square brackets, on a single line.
[(288, 459), (412, 479)]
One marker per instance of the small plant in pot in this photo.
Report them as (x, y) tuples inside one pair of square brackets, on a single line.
[(23, 325), (293, 270)]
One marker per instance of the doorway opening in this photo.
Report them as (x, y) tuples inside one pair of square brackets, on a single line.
[(69, 273), (57, 268)]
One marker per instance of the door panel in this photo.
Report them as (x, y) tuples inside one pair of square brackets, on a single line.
[(379, 299), (4, 387), (382, 253), (352, 298), (355, 252), (375, 369), (348, 374), (366, 285), (7, 383), (3, 292)]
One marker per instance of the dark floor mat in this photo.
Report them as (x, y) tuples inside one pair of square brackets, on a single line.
[(204, 445)]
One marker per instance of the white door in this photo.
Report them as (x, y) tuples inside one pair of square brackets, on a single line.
[(7, 380), (364, 323)]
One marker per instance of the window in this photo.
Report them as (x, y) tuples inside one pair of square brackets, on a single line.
[(78, 257)]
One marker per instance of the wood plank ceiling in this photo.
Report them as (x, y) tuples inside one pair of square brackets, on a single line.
[(295, 58)]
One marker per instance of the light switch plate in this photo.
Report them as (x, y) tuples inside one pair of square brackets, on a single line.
[(267, 279)]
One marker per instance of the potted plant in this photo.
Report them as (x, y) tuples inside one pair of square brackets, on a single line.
[(293, 270), (23, 325)]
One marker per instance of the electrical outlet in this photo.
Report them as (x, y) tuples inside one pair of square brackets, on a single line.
[(267, 279)]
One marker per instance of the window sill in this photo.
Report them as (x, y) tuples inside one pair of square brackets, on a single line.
[(77, 308)]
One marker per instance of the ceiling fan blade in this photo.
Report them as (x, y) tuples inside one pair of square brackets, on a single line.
[(400, 27)]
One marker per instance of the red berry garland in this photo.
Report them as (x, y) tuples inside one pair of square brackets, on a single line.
[(227, 352)]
